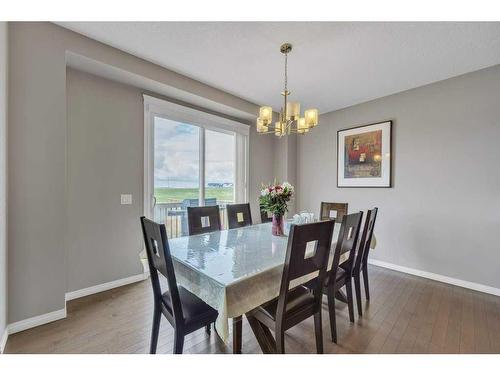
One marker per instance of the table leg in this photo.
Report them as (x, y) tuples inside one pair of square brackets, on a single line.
[(263, 335), (237, 333)]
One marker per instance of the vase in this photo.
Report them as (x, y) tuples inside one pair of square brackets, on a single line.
[(278, 225)]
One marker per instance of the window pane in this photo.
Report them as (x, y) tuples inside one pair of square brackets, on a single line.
[(219, 170), (176, 173)]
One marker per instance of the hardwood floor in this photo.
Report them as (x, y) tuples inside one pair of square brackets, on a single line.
[(407, 314)]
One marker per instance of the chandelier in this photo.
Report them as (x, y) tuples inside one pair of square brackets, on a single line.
[(289, 117)]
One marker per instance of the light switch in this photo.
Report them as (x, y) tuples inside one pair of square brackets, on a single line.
[(126, 199)]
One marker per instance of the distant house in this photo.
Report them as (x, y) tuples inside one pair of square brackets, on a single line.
[(219, 184)]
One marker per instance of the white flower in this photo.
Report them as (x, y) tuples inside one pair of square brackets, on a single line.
[(288, 186)]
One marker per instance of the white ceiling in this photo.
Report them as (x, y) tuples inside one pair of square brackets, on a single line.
[(333, 64)]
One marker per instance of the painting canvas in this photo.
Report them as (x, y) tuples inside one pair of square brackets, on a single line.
[(364, 156)]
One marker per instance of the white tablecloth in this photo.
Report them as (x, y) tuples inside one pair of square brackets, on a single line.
[(235, 270)]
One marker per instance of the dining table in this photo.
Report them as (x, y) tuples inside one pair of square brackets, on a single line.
[(235, 271)]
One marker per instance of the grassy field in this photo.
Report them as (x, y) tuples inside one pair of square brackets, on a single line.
[(172, 195)]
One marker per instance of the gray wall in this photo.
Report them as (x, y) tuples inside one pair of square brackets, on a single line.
[(105, 159), (3, 177), (39, 175), (261, 153), (442, 215), (285, 163)]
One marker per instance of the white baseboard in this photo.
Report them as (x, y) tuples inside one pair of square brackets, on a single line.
[(3, 340), (106, 286), (437, 277), (36, 321), (145, 267)]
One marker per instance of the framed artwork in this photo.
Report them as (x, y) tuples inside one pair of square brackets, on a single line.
[(364, 156)]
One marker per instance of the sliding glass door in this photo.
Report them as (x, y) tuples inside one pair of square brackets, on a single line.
[(176, 172), (191, 165), (220, 170)]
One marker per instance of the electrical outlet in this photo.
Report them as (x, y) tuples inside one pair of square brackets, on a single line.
[(126, 199)]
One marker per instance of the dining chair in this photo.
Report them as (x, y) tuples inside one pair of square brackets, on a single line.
[(340, 276), (264, 216), (331, 210), (239, 215), (361, 263), (185, 311), (203, 219), (307, 253)]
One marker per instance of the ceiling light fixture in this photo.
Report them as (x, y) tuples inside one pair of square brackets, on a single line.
[(289, 118)]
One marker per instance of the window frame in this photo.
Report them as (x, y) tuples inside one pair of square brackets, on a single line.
[(155, 107)]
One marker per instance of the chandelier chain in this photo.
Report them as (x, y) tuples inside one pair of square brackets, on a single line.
[(286, 72)]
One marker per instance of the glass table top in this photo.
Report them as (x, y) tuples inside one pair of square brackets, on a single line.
[(231, 255)]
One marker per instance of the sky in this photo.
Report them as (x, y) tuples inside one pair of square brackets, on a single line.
[(177, 155)]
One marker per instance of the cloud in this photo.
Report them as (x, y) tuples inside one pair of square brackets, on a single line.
[(177, 155)]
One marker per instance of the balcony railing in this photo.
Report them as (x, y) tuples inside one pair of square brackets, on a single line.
[(174, 216)]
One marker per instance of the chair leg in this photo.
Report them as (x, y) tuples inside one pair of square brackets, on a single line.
[(357, 287), (318, 331), (331, 312), (365, 280), (207, 328), (350, 300), (155, 330), (178, 341), (280, 341)]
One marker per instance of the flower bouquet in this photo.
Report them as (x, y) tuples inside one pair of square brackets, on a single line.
[(274, 198)]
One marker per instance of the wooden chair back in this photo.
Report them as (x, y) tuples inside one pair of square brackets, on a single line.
[(347, 242), (239, 215), (307, 252), (264, 216), (160, 260), (366, 239), (203, 219), (331, 210)]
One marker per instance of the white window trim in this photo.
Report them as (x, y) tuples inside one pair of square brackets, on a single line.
[(176, 112)]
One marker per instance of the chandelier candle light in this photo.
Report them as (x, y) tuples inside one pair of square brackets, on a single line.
[(289, 118)]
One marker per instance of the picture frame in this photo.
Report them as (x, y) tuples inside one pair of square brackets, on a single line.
[(364, 156)]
